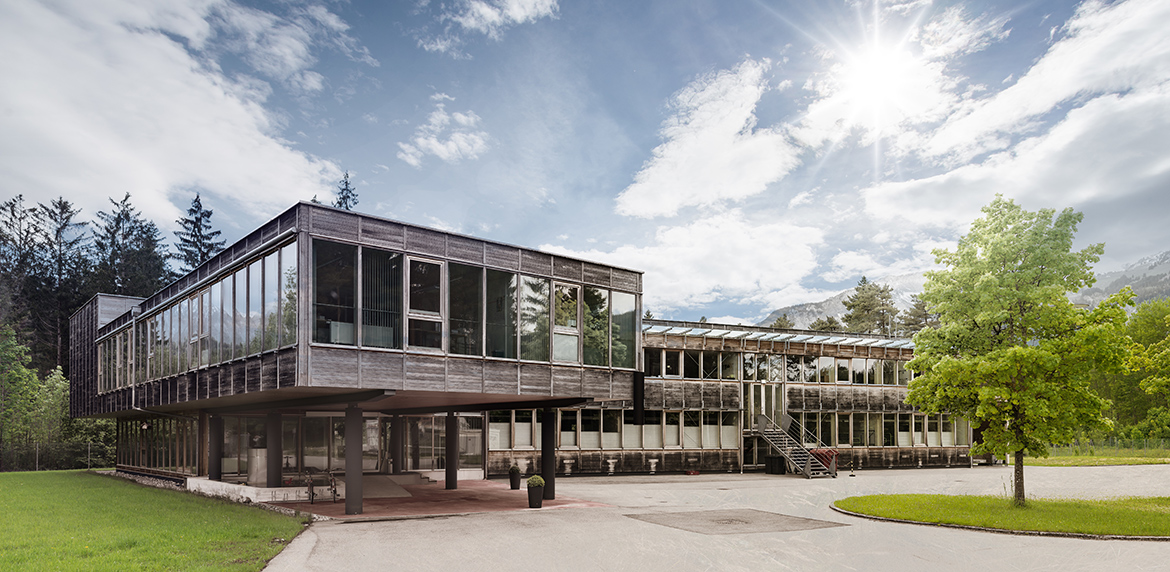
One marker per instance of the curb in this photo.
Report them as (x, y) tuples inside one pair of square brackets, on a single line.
[(1078, 535)]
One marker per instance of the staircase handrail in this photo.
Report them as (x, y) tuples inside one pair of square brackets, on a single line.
[(763, 421)]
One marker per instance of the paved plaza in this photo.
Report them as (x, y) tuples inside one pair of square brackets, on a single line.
[(738, 522)]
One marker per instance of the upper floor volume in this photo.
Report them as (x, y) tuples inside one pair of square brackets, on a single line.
[(325, 298)]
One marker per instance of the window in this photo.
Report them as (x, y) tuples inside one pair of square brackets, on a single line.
[(569, 428), (631, 433), (962, 432), (334, 277), (183, 339), (499, 430), (672, 364), (534, 319), (692, 429), (792, 369), (596, 326), (611, 426), (858, 370), (670, 432), (947, 434), (624, 328), (215, 321), (653, 362), (904, 430), (288, 295), (652, 429), (591, 428), (711, 365), (919, 429), (524, 428), (729, 366), (501, 314), (749, 367), (889, 372), (271, 301), (858, 430), (425, 305), (729, 429), (825, 367), (381, 299), (256, 308), (873, 429), (903, 374), (465, 292), (775, 367), (889, 431), (843, 430), (711, 429), (933, 438), (692, 359), (873, 372)]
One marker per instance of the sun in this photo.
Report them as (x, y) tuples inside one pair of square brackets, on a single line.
[(882, 87)]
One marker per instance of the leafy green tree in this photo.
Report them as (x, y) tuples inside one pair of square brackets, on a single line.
[(916, 318), (17, 383), (197, 242), (827, 324), (131, 259), (1131, 402), (871, 308), (1011, 353), (783, 322), (347, 197), (1151, 332)]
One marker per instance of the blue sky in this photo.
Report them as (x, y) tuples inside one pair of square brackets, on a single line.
[(745, 155)]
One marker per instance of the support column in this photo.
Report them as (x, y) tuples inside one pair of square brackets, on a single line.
[(273, 435), (215, 448), (397, 451), (452, 456), (353, 459), (548, 452)]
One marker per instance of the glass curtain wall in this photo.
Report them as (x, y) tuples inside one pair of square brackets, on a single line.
[(381, 299), (334, 292), (501, 314), (534, 319), (465, 291)]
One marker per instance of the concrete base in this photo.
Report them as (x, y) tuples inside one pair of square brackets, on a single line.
[(245, 493), (464, 475)]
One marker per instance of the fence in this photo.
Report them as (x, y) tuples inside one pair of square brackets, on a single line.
[(1114, 447), (55, 456)]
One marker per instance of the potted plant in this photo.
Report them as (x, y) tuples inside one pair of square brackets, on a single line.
[(535, 491), (514, 477)]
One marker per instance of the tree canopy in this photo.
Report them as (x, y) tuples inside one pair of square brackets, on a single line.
[(871, 309), (1011, 353), (131, 258), (347, 197), (827, 324), (916, 318), (783, 322)]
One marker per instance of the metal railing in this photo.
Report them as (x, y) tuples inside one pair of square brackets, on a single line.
[(55, 456)]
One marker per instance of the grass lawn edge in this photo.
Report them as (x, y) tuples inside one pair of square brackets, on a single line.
[(1080, 535)]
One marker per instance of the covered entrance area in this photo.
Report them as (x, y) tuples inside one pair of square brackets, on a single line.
[(406, 439)]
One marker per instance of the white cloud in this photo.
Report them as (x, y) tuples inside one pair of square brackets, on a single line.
[(106, 98), (712, 151), (1108, 48), (953, 34), (721, 256), (452, 137), (488, 17)]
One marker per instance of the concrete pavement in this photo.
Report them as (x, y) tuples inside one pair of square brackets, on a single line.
[(735, 526)]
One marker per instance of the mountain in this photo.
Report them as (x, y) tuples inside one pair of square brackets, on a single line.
[(1149, 278)]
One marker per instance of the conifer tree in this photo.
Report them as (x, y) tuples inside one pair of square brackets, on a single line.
[(871, 309), (61, 284), (783, 322), (916, 318), (347, 197), (827, 324), (197, 242), (130, 257)]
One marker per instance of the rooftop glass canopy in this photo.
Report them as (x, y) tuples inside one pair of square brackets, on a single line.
[(733, 334)]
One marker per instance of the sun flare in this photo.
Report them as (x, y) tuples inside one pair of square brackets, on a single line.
[(882, 85)]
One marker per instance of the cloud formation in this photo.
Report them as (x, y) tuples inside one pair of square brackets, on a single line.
[(452, 137), (712, 150), (488, 17), (105, 98)]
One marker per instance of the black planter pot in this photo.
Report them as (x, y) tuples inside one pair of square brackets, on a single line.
[(535, 497), (514, 480)]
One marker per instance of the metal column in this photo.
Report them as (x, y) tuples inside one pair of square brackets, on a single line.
[(214, 448), (548, 452), (354, 427), (452, 456), (397, 451), (273, 434)]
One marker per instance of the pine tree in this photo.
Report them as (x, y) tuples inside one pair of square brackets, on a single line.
[(346, 194), (871, 309), (197, 242), (61, 284), (783, 322), (19, 245), (131, 259), (827, 324), (916, 318)]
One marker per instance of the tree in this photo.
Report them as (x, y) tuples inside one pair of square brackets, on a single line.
[(1011, 353), (197, 242), (1150, 330), (871, 308), (916, 318), (783, 323), (648, 315), (827, 324), (61, 281), (130, 257), (346, 194), (19, 247)]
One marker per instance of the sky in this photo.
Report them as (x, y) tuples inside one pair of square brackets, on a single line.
[(746, 155)]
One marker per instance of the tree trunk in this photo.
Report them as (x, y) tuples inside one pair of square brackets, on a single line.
[(1018, 487)]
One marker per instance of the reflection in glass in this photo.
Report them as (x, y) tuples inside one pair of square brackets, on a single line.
[(624, 328), (271, 301), (591, 428), (465, 291), (670, 435), (672, 366), (652, 362), (596, 332), (692, 359), (749, 367), (564, 347), (710, 365), (425, 334), (534, 319), (288, 294), (501, 314), (565, 298), (334, 277), (652, 429), (255, 308), (424, 287), (381, 299), (729, 366)]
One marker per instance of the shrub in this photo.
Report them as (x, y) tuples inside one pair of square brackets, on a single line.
[(535, 481), (513, 470)]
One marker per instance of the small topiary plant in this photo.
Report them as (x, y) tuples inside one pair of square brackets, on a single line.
[(514, 470), (535, 481)]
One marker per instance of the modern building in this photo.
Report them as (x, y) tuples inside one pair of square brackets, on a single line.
[(443, 353)]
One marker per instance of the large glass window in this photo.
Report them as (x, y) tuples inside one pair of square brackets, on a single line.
[(591, 428), (692, 429), (500, 430), (271, 301), (255, 307), (569, 428), (565, 322), (631, 433), (240, 313), (501, 314), (711, 429), (729, 430), (858, 370), (843, 430), (692, 364), (425, 287), (904, 430), (652, 362), (215, 321), (889, 430), (524, 428), (425, 333), (858, 429), (534, 319), (670, 432), (465, 290), (652, 429), (381, 299), (611, 426), (889, 373), (843, 371), (288, 294), (729, 366), (749, 367), (184, 338), (334, 292), (672, 365), (710, 365), (596, 331), (827, 373), (625, 330)]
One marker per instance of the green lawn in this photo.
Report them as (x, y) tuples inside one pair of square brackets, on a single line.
[(1093, 461), (1126, 516), (76, 520)]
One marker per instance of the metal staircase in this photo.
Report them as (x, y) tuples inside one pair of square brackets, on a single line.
[(819, 462)]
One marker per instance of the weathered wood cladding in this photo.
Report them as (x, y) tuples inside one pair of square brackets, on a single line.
[(676, 394), (593, 462), (677, 341)]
